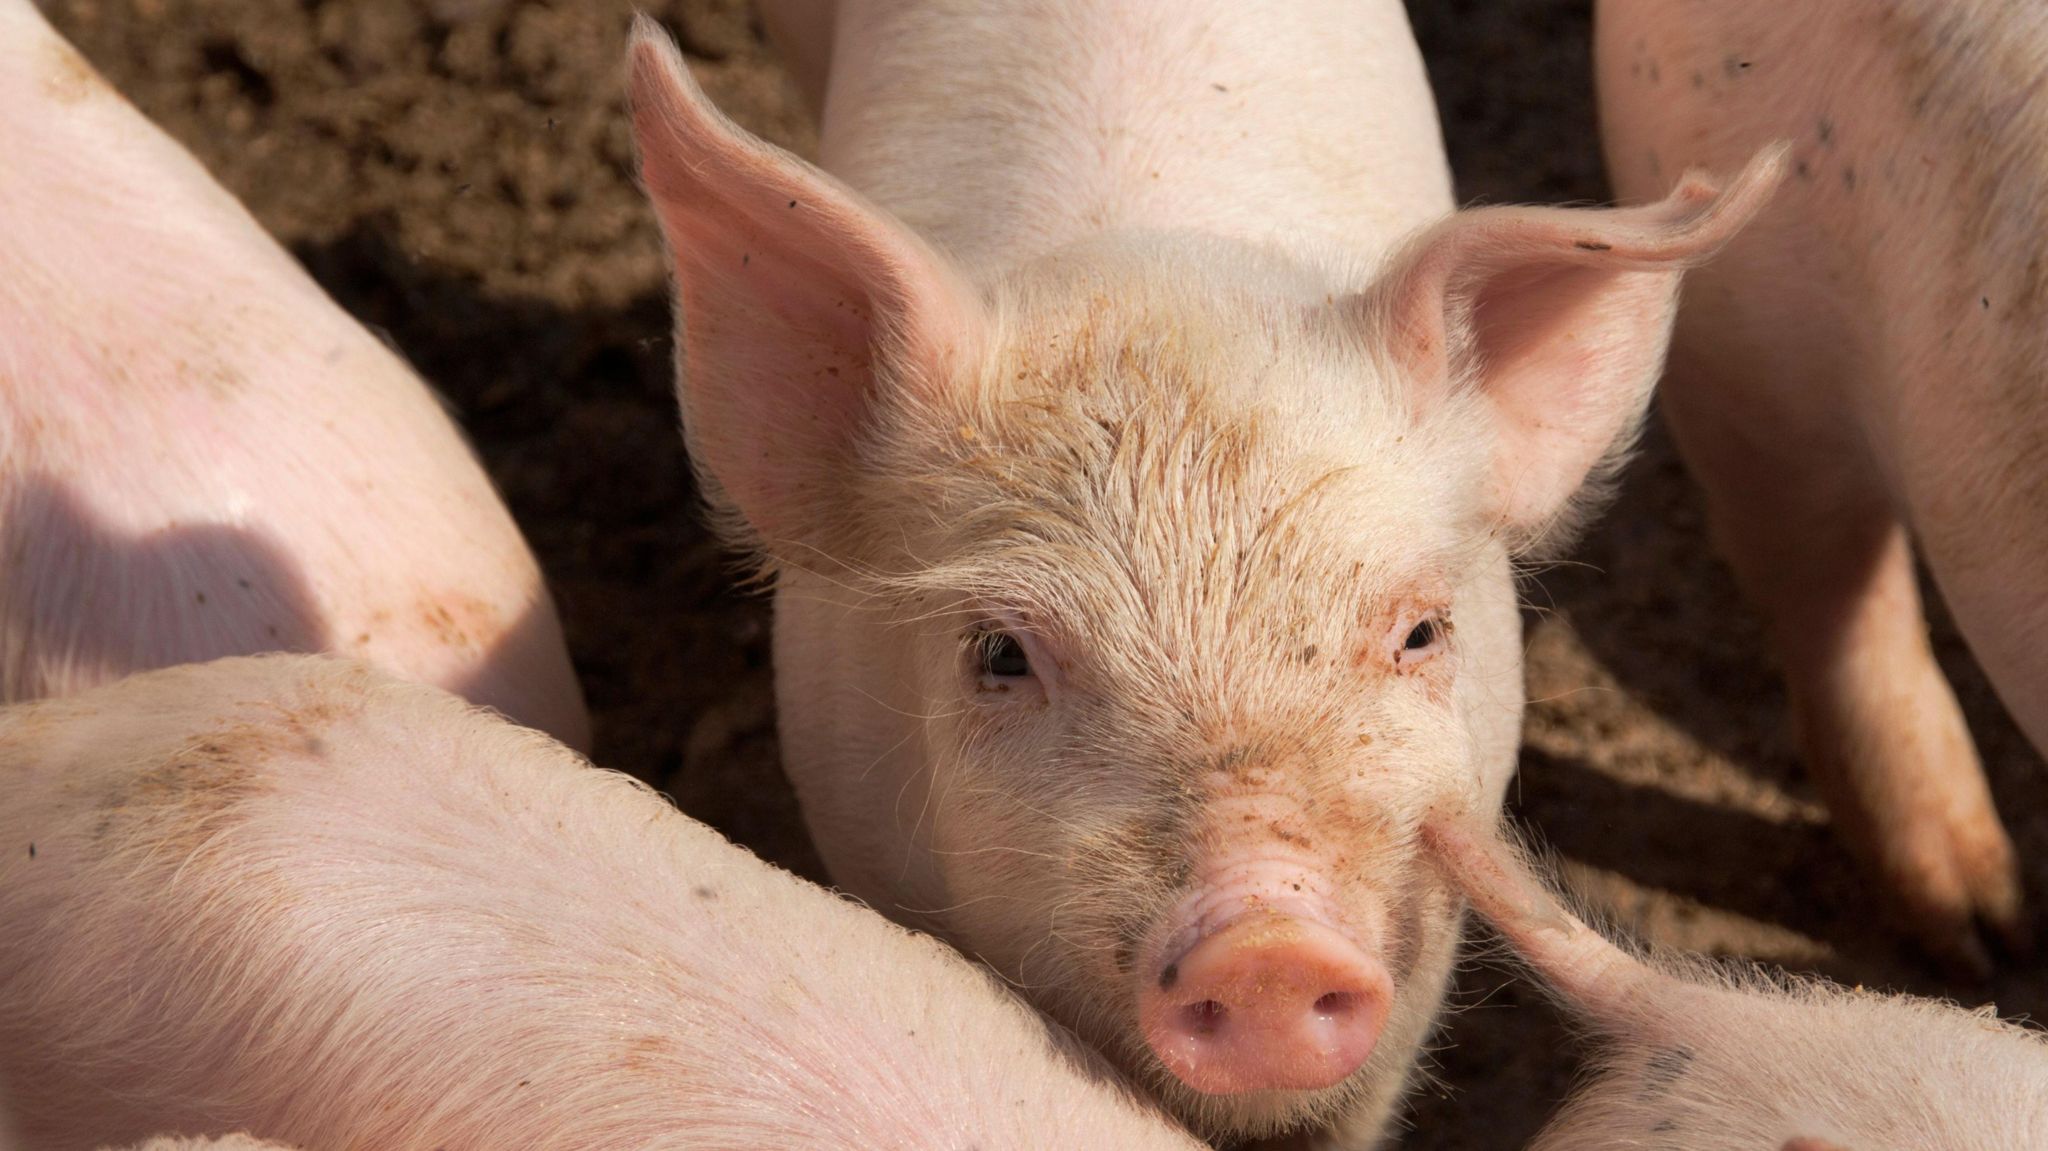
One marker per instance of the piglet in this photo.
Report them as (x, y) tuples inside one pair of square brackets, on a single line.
[(201, 455), (1862, 372), (1141, 447), (293, 896), (1720, 1057)]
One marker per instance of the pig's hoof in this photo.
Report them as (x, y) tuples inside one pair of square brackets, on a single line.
[(1959, 884)]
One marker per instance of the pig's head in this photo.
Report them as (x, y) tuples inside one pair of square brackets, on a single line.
[(1134, 606)]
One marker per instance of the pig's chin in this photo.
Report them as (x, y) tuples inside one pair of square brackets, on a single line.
[(1259, 1114)]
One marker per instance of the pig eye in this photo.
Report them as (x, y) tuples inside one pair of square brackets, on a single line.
[(1007, 660), (1002, 656), (1424, 640)]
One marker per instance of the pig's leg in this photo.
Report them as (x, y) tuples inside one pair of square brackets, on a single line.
[(1975, 481), (1803, 518)]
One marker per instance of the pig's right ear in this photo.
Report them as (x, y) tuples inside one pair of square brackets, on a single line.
[(797, 305), (1555, 321)]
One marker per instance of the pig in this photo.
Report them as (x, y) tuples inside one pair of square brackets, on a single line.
[(296, 897), (1711, 1057), (202, 455), (1862, 372), (1139, 448)]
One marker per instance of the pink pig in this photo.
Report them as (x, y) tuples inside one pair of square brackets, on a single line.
[(1711, 1057), (1140, 447), (201, 455), (293, 896), (1864, 372)]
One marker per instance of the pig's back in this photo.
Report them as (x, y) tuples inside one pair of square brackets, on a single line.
[(1005, 132), (296, 896), (1753, 1063), (200, 454), (1907, 249)]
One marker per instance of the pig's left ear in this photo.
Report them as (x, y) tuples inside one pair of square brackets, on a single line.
[(1557, 319)]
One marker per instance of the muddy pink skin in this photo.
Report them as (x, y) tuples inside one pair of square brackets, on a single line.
[(1725, 1058), (201, 455), (1857, 380), (293, 896), (1139, 445)]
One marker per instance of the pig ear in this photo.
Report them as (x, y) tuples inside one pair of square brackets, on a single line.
[(797, 304), (1557, 318)]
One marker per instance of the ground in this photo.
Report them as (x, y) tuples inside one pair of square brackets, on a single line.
[(457, 173)]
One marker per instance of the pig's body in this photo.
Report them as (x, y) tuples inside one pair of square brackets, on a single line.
[(292, 896), (1869, 366), (1724, 1058), (1003, 133), (1122, 454), (201, 455), (1146, 119)]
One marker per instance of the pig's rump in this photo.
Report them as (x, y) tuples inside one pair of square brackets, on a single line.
[(1721, 1057), (201, 454)]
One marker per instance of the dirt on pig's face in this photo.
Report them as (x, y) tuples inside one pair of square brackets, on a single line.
[(1202, 619)]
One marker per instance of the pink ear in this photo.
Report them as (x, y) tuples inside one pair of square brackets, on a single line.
[(1808, 1143), (1558, 318), (796, 306)]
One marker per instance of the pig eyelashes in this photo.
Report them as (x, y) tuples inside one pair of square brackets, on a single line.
[(1006, 661), (1002, 656), (1417, 641)]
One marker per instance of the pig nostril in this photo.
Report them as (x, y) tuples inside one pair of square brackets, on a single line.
[(1204, 1018), (1336, 1004)]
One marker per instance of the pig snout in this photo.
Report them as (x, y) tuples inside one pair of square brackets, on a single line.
[(1270, 996), (1270, 1003)]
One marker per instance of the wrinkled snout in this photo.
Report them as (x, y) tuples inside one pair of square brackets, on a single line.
[(1270, 1002)]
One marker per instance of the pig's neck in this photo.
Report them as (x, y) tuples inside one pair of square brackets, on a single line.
[(1002, 132)]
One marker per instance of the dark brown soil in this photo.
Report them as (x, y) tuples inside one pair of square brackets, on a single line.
[(457, 173)]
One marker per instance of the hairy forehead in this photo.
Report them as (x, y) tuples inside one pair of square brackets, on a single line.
[(1123, 484), (1236, 321), (1173, 437)]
